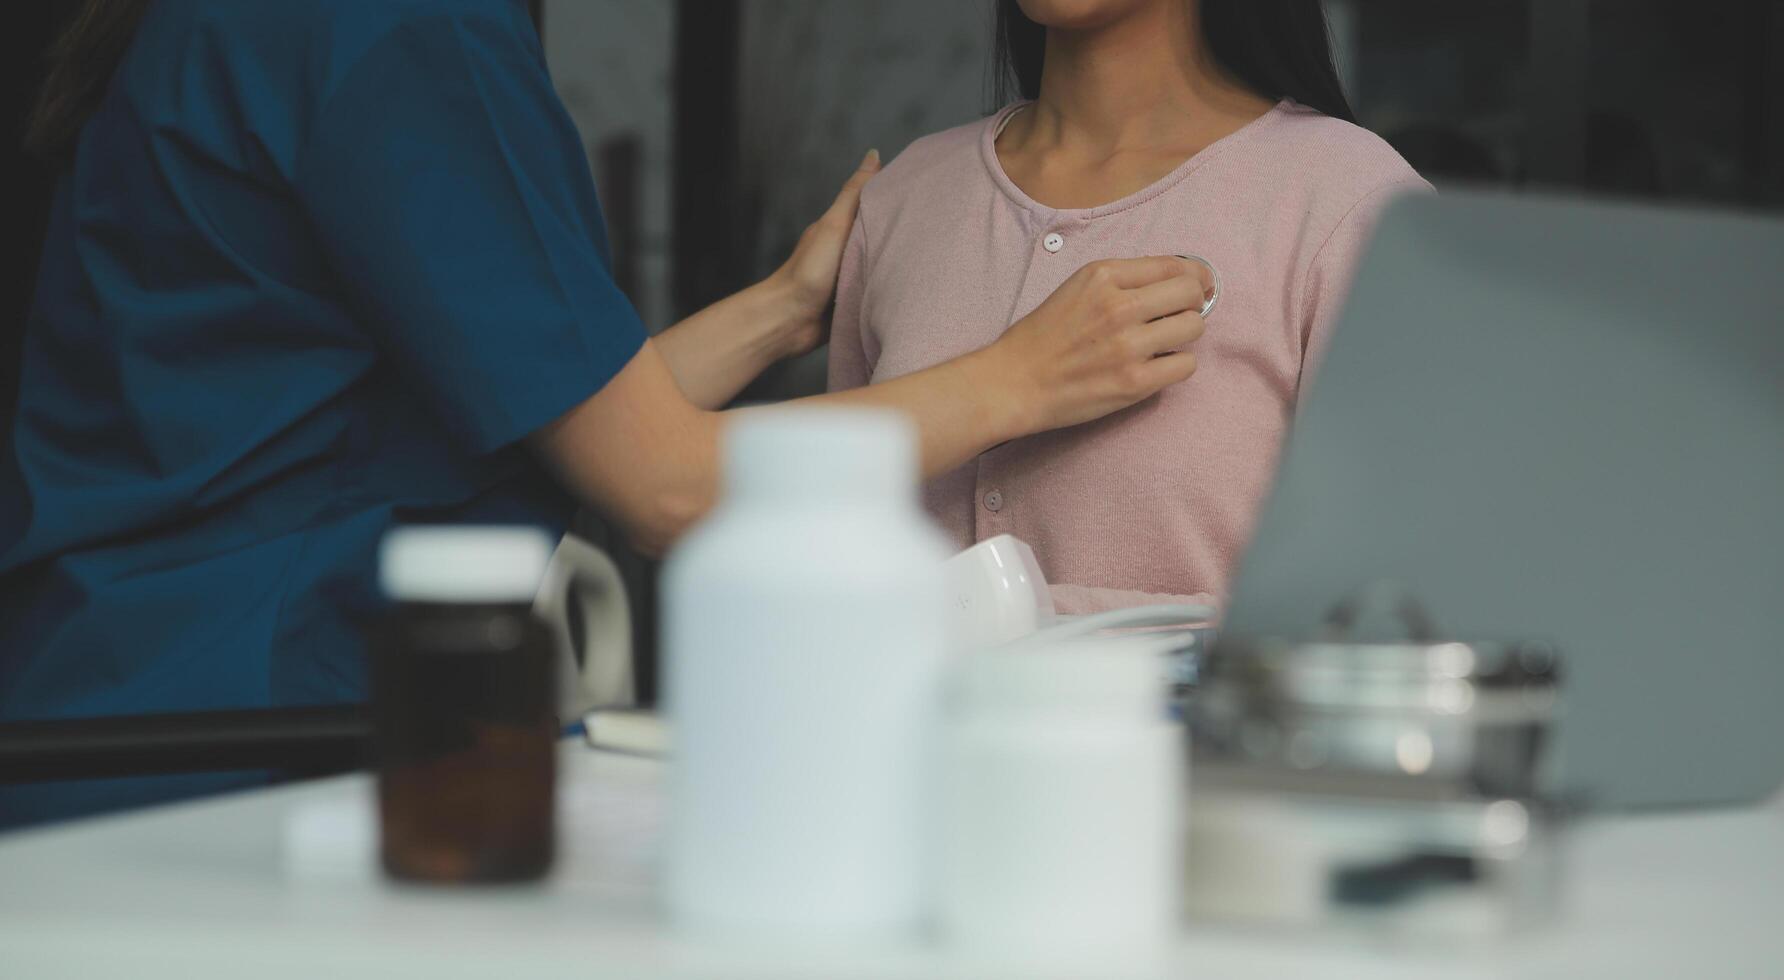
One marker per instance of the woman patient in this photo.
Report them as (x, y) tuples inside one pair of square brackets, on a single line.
[(1214, 128)]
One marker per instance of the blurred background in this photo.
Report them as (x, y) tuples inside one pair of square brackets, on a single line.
[(716, 129)]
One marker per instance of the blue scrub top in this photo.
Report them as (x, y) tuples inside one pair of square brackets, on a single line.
[(318, 268)]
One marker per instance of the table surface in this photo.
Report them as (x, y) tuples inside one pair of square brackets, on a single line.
[(213, 889)]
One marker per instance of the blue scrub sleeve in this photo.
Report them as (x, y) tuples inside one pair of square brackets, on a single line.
[(450, 189)]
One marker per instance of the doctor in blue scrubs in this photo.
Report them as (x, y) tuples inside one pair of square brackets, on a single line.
[(319, 268)]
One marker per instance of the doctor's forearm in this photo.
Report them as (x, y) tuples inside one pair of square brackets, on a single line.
[(960, 408), (639, 452), (717, 351)]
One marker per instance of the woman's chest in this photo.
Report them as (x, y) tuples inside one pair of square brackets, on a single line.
[(939, 286)]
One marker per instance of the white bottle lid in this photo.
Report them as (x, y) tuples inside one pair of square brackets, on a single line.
[(1091, 677), (470, 564), (820, 454)]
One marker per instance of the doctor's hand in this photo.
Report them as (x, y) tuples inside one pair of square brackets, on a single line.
[(808, 278), (718, 350), (1110, 336)]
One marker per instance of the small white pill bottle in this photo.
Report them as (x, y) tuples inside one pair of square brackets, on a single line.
[(1064, 783)]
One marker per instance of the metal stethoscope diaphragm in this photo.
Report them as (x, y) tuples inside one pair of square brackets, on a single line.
[(1214, 294)]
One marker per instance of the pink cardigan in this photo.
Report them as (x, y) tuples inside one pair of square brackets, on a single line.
[(1153, 504)]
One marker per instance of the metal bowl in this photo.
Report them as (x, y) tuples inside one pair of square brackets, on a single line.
[(1449, 718)]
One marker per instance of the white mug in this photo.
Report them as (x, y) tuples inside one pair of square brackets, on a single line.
[(600, 675), (996, 593)]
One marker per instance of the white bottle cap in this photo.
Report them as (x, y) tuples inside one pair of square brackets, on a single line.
[(463, 563), (820, 454), (1086, 678)]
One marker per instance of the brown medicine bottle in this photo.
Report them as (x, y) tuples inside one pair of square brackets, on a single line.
[(464, 706)]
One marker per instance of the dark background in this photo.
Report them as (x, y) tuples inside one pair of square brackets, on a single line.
[(717, 128)]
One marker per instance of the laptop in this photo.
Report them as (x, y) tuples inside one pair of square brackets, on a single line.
[(1563, 421)]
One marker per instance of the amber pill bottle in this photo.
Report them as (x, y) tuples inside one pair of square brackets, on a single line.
[(464, 705)]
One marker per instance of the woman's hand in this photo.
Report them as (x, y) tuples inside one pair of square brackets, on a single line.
[(1108, 337), (807, 280)]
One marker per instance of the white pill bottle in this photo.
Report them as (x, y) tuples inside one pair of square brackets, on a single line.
[(805, 639), (1063, 789)]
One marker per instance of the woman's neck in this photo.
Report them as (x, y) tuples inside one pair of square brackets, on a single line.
[(1142, 82)]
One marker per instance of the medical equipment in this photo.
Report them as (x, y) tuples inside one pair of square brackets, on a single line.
[(1213, 296), (1393, 786)]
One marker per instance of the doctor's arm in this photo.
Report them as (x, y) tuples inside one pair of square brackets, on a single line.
[(646, 455)]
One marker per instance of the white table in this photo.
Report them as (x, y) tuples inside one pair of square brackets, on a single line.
[(206, 890)]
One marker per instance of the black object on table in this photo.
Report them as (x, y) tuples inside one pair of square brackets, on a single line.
[(300, 742)]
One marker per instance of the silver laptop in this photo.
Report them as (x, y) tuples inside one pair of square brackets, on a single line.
[(1562, 421)]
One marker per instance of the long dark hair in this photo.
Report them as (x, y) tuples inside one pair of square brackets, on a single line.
[(1280, 49), (81, 64)]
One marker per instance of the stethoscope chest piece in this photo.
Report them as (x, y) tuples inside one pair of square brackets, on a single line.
[(1214, 295)]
